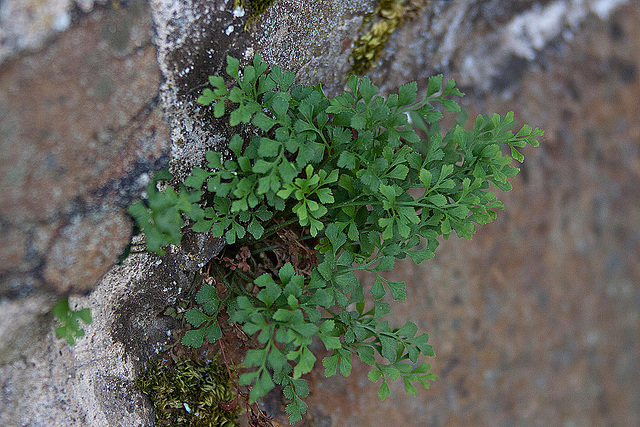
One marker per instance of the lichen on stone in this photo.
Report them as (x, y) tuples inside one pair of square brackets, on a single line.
[(191, 393), (377, 28)]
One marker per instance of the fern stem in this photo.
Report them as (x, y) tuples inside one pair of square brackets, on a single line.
[(269, 231)]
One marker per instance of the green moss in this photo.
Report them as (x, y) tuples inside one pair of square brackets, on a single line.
[(256, 8), (378, 27), (189, 394)]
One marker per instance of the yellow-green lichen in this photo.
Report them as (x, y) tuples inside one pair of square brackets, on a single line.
[(189, 394), (256, 8), (378, 27)]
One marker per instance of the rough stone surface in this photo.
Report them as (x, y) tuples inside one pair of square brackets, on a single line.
[(45, 382), (191, 46), (80, 129), (312, 39), (534, 322), (66, 266)]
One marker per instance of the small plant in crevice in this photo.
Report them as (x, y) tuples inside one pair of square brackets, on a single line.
[(69, 321), (313, 190)]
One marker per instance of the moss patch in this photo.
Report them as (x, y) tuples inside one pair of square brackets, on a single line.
[(191, 393), (256, 8), (377, 29)]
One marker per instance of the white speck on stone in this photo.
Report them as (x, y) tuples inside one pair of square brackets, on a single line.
[(62, 21), (593, 337), (158, 262), (229, 30), (248, 53), (238, 12), (468, 62), (568, 35), (144, 179)]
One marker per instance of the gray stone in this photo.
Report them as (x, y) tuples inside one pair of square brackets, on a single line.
[(43, 381)]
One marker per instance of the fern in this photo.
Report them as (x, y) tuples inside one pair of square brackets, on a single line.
[(360, 180)]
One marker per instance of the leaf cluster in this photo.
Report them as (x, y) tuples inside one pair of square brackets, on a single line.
[(371, 179), (159, 216), (69, 321)]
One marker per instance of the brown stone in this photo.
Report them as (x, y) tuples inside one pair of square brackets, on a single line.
[(67, 111), (83, 248), (80, 126)]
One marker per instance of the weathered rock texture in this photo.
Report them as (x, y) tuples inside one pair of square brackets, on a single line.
[(80, 126), (535, 321)]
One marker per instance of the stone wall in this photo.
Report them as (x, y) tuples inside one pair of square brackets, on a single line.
[(535, 321)]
